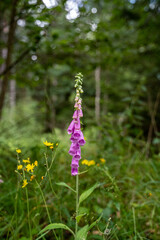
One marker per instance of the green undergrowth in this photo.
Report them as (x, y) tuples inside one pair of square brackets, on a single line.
[(127, 197)]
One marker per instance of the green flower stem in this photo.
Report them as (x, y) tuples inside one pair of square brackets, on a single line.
[(53, 157), (30, 233), (38, 185), (77, 204), (48, 173)]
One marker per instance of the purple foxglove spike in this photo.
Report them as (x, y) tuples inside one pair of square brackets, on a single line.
[(71, 127), (77, 124), (77, 155), (74, 171)]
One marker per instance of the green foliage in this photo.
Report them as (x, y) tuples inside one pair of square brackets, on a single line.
[(122, 38), (56, 226), (87, 193)]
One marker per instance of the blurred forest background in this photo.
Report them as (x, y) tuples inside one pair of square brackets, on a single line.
[(115, 44)]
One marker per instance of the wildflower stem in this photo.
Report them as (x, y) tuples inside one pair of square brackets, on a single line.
[(30, 233), (134, 221), (49, 175), (77, 203), (38, 185)]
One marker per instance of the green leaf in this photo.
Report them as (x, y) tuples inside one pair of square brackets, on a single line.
[(55, 226), (88, 192), (94, 223), (78, 218), (65, 185), (82, 233)]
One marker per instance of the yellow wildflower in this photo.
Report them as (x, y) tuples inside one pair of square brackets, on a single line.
[(32, 177), (42, 177), (30, 167), (48, 144), (26, 161), (51, 147), (36, 163), (24, 183), (18, 150), (150, 194), (92, 162), (102, 160), (56, 144), (19, 167), (85, 162)]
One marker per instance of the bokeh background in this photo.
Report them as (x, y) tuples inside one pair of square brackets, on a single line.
[(115, 45)]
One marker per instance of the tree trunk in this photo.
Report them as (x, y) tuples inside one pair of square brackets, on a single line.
[(12, 94), (97, 96), (10, 43)]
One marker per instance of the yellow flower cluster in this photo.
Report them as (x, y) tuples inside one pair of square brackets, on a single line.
[(27, 166), (88, 163), (92, 162), (49, 144)]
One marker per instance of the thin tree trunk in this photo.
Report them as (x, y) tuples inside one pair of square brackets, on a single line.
[(98, 92), (10, 43), (12, 93)]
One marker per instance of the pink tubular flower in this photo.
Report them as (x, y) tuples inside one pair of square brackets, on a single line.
[(75, 163), (77, 124), (77, 138), (74, 171), (77, 154), (81, 140), (71, 127), (75, 114), (77, 134)]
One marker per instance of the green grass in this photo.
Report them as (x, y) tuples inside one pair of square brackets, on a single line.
[(128, 193)]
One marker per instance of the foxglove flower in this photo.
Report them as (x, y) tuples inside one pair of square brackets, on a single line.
[(77, 138), (71, 127)]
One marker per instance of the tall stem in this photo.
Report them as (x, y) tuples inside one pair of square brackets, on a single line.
[(77, 204), (46, 158), (45, 206), (30, 233)]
